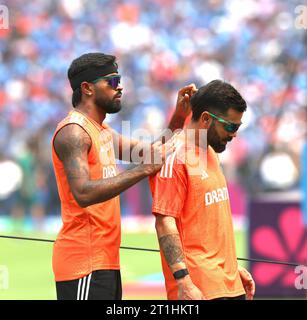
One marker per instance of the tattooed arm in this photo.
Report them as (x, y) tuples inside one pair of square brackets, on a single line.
[(171, 246), (72, 145)]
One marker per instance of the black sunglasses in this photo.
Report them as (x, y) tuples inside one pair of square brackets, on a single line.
[(113, 81)]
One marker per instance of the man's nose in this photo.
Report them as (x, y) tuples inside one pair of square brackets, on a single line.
[(233, 135)]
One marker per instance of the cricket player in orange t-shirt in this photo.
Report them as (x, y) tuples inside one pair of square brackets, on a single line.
[(86, 252), (191, 203)]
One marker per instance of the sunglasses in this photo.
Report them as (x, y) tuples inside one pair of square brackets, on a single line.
[(113, 81), (228, 126)]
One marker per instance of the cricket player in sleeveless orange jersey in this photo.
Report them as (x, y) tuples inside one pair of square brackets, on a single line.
[(191, 203), (86, 252)]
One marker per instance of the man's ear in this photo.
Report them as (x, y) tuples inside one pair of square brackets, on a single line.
[(205, 120), (86, 88)]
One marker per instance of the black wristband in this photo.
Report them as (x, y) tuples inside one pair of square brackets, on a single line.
[(180, 274)]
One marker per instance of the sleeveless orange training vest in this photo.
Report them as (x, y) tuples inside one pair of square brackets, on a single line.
[(90, 237)]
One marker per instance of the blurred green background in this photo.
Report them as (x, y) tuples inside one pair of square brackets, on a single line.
[(31, 278)]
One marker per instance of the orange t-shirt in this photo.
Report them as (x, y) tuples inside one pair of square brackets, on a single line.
[(191, 188), (90, 237)]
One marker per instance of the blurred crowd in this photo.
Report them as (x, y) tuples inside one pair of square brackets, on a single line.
[(161, 45)]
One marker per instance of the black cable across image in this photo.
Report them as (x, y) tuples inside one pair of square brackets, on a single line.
[(294, 264)]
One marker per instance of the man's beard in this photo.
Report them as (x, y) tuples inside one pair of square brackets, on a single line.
[(109, 106), (214, 140)]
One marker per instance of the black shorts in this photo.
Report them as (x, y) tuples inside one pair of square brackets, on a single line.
[(242, 297), (98, 285)]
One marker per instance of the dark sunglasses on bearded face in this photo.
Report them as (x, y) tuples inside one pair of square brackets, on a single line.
[(228, 126), (113, 81)]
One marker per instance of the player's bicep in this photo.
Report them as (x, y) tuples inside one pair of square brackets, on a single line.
[(72, 144)]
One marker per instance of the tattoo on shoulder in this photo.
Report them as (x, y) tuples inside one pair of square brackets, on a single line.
[(72, 145), (171, 246)]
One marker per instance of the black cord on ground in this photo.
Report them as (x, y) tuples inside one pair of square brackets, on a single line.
[(294, 264)]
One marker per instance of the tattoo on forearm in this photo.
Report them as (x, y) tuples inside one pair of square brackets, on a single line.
[(172, 248)]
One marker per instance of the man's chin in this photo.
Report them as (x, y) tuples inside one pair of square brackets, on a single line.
[(114, 109), (219, 148)]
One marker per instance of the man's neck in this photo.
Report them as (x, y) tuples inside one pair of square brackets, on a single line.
[(91, 111), (192, 132)]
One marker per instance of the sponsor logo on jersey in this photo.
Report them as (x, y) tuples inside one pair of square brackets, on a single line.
[(215, 196)]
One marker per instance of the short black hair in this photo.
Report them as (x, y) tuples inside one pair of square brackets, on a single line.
[(87, 60), (216, 96)]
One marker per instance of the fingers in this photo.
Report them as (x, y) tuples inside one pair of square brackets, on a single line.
[(169, 148), (248, 283), (186, 98), (249, 296), (174, 137), (250, 289), (157, 144), (189, 90), (193, 88), (162, 151), (244, 274)]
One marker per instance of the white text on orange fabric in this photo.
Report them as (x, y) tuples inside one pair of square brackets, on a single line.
[(218, 195)]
